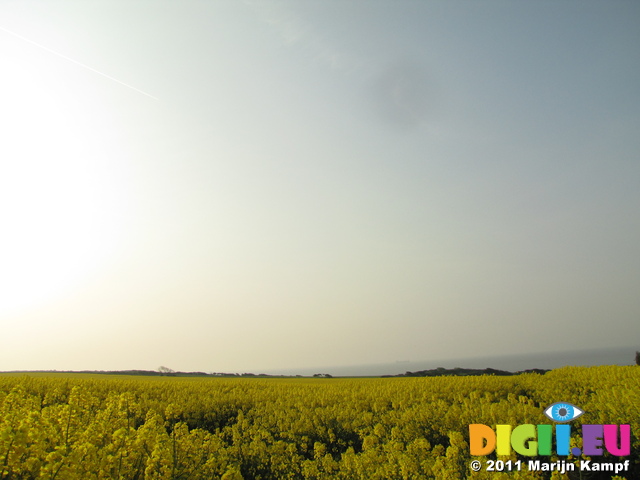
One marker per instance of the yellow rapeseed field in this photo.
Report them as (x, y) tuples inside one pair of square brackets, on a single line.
[(85, 427)]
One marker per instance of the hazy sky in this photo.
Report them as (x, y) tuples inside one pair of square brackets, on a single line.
[(247, 186)]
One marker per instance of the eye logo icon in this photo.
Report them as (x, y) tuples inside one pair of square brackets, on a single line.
[(562, 412)]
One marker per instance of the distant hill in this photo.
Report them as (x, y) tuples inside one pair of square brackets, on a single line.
[(436, 372), (464, 372)]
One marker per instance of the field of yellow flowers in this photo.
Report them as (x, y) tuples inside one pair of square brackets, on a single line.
[(85, 427)]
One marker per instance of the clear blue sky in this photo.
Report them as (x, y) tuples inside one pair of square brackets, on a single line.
[(245, 186)]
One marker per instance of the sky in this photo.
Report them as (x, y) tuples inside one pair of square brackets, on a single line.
[(252, 186)]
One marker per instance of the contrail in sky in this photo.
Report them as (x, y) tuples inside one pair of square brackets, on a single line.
[(76, 62)]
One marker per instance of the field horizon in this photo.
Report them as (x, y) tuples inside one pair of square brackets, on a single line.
[(545, 360), (621, 356)]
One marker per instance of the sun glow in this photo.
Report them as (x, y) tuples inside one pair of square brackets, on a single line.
[(61, 191)]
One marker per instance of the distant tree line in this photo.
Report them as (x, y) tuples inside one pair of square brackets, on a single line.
[(463, 372)]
